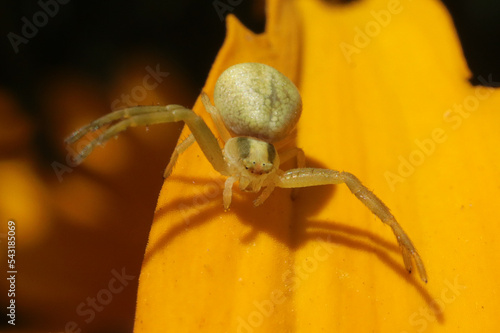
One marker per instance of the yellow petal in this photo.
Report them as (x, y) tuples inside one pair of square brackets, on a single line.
[(398, 112)]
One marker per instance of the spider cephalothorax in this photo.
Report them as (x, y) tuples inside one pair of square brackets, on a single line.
[(256, 156), (255, 107)]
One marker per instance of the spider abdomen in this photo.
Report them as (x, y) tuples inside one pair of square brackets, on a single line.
[(258, 101)]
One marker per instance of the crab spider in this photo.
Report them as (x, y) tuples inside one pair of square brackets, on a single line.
[(255, 108)]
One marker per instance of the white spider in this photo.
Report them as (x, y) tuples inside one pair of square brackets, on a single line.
[(255, 107)]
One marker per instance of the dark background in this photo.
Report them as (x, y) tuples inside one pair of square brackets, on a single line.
[(94, 38), (92, 35), (478, 26)]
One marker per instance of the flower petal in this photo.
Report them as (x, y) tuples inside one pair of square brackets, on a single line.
[(385, 97)]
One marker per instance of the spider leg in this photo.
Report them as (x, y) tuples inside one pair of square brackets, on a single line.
[(264, 195), (111, 117), (179, 149), (150, 115), (298, 153), (300, 157), (214, 112), (312, 177), (227, 195)]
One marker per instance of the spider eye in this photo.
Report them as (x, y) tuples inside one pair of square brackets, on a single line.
[(254, 155)]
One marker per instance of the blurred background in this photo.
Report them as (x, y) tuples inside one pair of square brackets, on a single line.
[(81, 231)]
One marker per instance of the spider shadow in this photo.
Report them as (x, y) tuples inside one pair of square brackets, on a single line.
[(302, 229), (311, 200)]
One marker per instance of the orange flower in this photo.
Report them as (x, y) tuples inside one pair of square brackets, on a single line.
[(385, 97)]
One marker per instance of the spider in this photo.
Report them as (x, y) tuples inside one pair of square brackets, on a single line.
[(256, 109)]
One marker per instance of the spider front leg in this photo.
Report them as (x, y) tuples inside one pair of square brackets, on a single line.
[(179, 149), (305, 177), (112, 117), (150, 115)]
